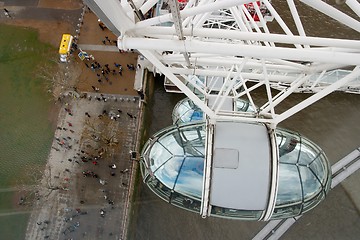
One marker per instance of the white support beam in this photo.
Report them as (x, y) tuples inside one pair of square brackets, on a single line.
[(244, 117), (154, 60), (191, 12), (205, 196), (311, 55), (148, 5), (279, 20), (199, 19), (333, 13), (252, 88), (354, 5), (268, 91), (196, 84), (225, 86), (116, 14), (190, 20), (244, 19), (203, 59), (223, 73), (263, 21), (326, 91), (284, 94), (229, 61), (238, 19), (250, 19), (274, 186), (296, 18), (345, 170), (252, 36)]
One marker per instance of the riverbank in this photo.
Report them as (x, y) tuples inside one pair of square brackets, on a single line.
[(84, 193), (25, 131)]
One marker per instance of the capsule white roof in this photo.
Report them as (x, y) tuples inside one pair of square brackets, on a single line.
[(241, 169)]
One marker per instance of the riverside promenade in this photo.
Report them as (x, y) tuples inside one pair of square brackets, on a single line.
[(85, 190), (87, 184)]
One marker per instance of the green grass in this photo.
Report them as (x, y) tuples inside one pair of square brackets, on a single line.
[(25, 131), (6, 202), (14, 226)]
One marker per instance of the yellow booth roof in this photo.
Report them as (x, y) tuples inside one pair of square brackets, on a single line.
[(65, 44)]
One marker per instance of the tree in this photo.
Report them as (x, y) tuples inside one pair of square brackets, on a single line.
[(59, 77)]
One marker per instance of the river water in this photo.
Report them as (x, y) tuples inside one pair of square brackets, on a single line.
[(25, 130)]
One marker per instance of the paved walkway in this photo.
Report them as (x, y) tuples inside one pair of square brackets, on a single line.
[(103, 48), (79, 182)]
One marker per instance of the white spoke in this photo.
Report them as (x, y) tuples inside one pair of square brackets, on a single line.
[(226, 49)]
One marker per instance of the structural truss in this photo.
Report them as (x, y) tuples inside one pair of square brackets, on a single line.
[(223, 49), (217, 51)]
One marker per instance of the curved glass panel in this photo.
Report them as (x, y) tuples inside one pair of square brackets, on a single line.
[(158, 155), (158, 188), (194, 147), (311, 185), (190, 179), (143, 170), (308, 152), (186, 111), (310, 204), (180, 161), (169, 171), (321, 168), (303, 166), (236, 214), (192, 136), (172, 142), (187, 203), (289, 146), (289, 190), (176, 165), (287, 211), (243, 106)]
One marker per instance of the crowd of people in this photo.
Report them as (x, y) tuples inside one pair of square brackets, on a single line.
[(89, 158), (106, 73)]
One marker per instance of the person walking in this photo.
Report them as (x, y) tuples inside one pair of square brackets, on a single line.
[(120, 70), (7, 13)]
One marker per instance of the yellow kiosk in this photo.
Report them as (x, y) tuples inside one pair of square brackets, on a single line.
[(65, 45)]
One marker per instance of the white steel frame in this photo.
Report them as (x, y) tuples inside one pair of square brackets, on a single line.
[(219, 38)]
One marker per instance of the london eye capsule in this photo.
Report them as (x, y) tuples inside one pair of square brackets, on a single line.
[(256, 174)]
